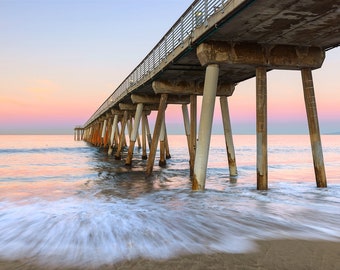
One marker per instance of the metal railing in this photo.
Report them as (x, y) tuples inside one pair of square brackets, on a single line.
[(195, 16)]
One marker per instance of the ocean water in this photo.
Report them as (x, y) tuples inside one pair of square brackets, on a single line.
[(66, 203)]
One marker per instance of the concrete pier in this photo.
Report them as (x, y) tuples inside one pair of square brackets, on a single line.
[(235, 41), (78, 133)]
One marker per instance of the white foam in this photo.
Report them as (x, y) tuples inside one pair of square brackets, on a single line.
[(95, 231)]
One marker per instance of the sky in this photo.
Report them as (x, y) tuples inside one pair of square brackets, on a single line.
[(60, 59)]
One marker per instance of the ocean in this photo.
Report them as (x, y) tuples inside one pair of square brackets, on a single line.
[(65, 203)]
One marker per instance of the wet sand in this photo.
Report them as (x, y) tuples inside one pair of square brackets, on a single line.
[(276, 254)]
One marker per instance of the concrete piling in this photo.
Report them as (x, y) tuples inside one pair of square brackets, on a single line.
[(134, 133), (204, 133), (228, 136), (215, 56), (156, 133), (162, 148), (122, 136), (113, 132), (144, 155), (261, 128), (313, 125), (193, 132), (186, 126)]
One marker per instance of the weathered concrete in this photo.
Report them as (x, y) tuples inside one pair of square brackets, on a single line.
[(154, 100), (204, 134), (79, 133), (193, 132), (162, 148), (144, 154), (228, 136), (186, 122), (122, 136), (190, 88), (134, 133), (261, 128), (156, 133), (245, 39), (113, 132), (268, 55), (313, 124)]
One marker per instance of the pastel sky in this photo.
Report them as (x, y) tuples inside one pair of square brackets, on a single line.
[(60, 59)]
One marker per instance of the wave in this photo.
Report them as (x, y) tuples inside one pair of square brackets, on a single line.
[(8, 151), (92, 231)]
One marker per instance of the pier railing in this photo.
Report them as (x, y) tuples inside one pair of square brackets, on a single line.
[(195, 16)]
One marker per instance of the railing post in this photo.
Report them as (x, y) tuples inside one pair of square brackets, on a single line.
[(182, 31), (206, 12)]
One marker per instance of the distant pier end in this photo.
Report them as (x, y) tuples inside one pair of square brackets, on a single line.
[(79, 133)]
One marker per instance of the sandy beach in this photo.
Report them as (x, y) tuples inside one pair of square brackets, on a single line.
[(276, 254)]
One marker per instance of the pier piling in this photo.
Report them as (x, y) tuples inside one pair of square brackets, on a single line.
[(261, 128), (313, 125), (121, 143), (156, 133), (134, 133), (112, 135), (144, 155), (204, 133), (228, 136), (162, 148), (194, 60)]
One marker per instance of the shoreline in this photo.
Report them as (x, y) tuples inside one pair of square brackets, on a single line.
[(272, 254)]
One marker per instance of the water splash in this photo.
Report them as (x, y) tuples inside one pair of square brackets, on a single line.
[(97, 230)]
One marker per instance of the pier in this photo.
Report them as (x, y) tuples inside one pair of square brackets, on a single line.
[(212, 47)]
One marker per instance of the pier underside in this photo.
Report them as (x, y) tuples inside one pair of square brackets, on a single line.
[(241, 39)]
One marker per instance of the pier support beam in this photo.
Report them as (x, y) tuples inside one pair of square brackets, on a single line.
[(228, 136), (98, 134), (313, 125), (156, 133), (261, 128), (121, 136), (190, 127), (102, 141), (193, 131), (108, 131), (112, 135), (187, 128), (134, 133), (144, 155), (148, 133), (204, 134), (167, 148), (162, 147)]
